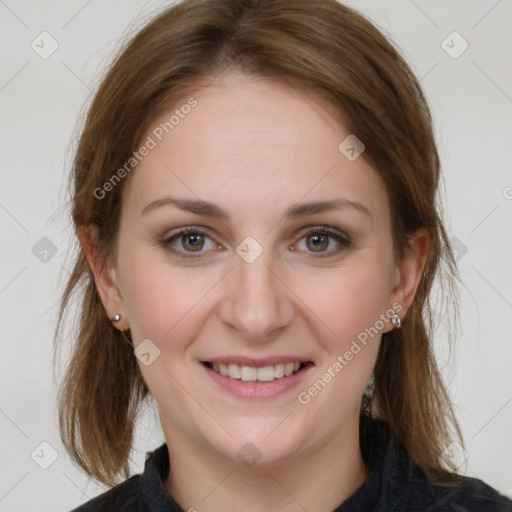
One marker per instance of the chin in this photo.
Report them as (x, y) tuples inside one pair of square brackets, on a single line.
[(260, 442)]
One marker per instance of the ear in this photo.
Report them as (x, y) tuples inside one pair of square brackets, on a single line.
[(408, 273), (105, 276)]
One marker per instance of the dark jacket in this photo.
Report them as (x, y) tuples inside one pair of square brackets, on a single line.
[(389, 487)]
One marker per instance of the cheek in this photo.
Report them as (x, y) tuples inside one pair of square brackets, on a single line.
[(349, 299), (163, 299)]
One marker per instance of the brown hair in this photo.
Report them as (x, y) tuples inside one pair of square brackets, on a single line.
[(336, 53)]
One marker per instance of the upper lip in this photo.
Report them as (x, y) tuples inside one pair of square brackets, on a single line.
[(257, 363)]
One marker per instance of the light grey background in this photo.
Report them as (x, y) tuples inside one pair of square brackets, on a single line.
[(40, 103)]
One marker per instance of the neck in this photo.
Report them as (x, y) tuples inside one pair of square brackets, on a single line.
[(319, 480)]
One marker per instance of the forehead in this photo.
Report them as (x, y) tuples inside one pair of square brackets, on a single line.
[(251, 141)]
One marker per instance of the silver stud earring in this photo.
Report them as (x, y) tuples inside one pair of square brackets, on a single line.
[(116, 319), (395, 320)]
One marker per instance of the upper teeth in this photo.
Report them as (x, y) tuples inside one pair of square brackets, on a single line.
[(250, 373)]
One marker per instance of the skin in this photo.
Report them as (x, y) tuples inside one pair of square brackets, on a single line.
[(256, 147)]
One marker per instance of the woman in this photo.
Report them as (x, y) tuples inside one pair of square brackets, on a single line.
[(255, 198)]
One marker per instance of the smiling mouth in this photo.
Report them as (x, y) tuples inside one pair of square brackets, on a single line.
[(253, 374)]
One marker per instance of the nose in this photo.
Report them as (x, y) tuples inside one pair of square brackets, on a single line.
[(257, 302)]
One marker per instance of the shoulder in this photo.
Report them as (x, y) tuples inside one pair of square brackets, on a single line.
[(121, 498), (403, 486), (461, 494), (139, 491)]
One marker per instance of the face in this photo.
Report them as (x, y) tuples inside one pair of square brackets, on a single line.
[(291, 261)]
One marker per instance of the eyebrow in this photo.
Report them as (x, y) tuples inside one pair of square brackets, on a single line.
[(295, 211)]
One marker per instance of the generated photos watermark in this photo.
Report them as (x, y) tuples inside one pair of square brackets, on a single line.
[(150, 143), (344, 359)]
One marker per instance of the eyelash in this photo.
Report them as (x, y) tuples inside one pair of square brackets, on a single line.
[(344, 240)]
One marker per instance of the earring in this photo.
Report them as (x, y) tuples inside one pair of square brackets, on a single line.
[(116, 319), (395, 320)]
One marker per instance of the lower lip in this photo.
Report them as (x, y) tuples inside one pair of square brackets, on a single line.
[(256, 389)]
